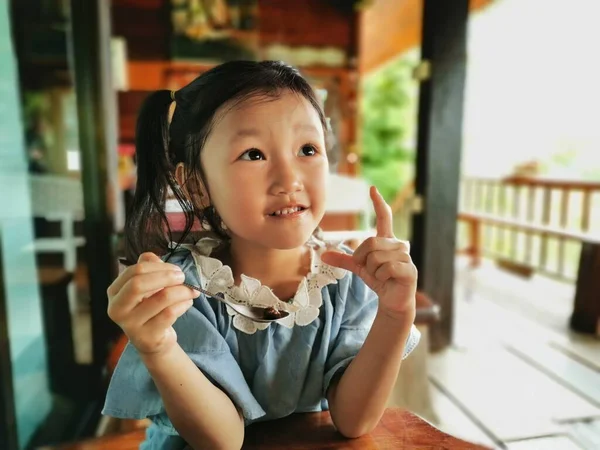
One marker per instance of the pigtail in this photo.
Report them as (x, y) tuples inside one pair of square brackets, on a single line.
[(146, 220)]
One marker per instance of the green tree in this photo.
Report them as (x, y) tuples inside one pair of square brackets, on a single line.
[(388, 108)]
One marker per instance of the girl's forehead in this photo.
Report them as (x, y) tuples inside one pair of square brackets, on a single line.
[(267, 109)]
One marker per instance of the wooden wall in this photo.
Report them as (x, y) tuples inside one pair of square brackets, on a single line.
[(129, 104), (146, 25), (307, 22)]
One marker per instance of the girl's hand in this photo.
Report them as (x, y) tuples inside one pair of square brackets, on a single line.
[(146, 300), (384, 264)]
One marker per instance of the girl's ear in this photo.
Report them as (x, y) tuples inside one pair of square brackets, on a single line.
[(188, 188)]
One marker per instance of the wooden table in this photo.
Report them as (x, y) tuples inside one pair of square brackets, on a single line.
[(398, 429)]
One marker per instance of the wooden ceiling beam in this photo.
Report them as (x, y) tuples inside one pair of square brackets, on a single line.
[(388, 28)]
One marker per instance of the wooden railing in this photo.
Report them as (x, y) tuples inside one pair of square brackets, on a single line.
[(526, 224), (533, 223)]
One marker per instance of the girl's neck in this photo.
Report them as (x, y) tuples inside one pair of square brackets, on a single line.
[(281, 270)]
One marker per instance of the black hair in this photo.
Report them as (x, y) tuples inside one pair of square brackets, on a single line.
[(161, 144)]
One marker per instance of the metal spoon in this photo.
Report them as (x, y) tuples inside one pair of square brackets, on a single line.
[(254, 313)]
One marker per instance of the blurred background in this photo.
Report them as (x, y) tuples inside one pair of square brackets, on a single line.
[(475, 119)]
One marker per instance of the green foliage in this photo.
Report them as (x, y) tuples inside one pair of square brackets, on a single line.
[(388, 108)]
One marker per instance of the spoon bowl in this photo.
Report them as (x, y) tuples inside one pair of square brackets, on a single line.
[(254, 313)]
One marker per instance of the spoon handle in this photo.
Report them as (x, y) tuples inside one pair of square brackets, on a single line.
[(127, 263), (205, 292)]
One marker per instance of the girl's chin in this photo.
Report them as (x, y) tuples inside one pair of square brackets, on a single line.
[(281, 240), (287, 242)]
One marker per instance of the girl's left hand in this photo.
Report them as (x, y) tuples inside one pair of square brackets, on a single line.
[(384, 264)]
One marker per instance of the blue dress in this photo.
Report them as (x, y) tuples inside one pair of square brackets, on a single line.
[(268, 372)]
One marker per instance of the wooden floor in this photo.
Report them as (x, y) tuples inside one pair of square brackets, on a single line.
[(515, 377)]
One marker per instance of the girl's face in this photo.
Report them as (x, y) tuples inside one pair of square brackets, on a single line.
[(266, 168)]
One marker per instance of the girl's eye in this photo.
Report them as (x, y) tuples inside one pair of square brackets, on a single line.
[(252, 155), (308, 150)]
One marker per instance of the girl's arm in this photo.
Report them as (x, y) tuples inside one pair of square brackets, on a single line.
[(384, 264), (202, 414), (145, 301), (358, 400)]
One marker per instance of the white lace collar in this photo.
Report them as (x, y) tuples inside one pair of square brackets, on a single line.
[(303, 307)]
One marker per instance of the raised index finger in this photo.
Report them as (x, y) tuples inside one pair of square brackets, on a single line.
[(383, 213)]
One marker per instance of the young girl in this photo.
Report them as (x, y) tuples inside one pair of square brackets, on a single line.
[(243, 149)]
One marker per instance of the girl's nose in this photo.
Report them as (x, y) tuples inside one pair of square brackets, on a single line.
[(286, 179)]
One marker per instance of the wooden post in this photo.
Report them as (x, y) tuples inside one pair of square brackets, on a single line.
[(96, 113), (9, 439), (444, 38), (586, 310), (475, 242)]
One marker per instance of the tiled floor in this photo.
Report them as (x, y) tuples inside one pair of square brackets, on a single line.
[(516, 377)]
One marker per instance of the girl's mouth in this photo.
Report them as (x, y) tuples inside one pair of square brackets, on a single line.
[(290, 211)]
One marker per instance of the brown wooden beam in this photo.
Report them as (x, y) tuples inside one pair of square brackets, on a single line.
[(439, 145), (8, 418), (391, 27), (586, 309), (96, 114)]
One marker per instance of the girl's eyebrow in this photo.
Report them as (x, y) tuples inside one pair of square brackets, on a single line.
[(305, 127), (245, 132)]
